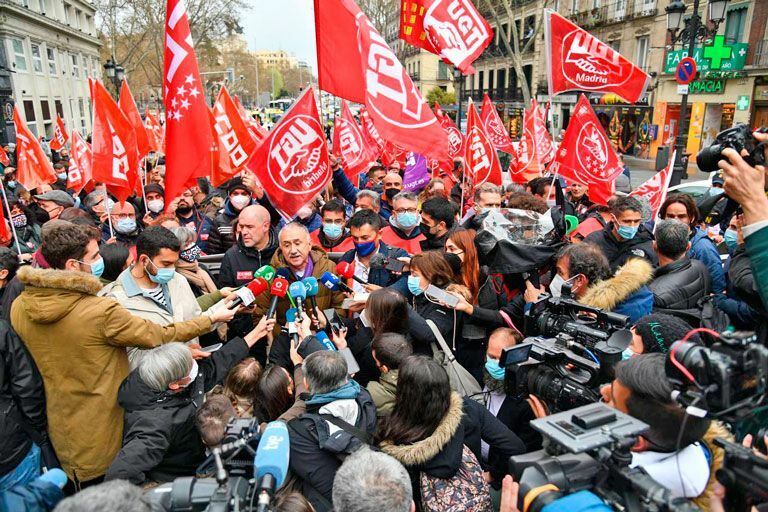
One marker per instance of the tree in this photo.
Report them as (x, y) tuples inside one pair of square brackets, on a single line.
[(436, 94)]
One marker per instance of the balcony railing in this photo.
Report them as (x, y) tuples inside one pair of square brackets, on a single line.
[(496, 94), (614, 13)]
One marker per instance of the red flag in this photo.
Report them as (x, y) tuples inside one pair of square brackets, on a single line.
[(187, 147), (60, 137), (526, 165), (480, 157), (656, 187), (350, 145), (220, 163), (577, 60), (544, 146), (355, 63), (494, 127), (453, 30), (258, 133), (80, 160), (128, 106), (455, 137), (32, 165), (372, 137), (292, 163), (393, 154), (115, 157), (234, 140), (155, 131), (4, 157), (586, 155)]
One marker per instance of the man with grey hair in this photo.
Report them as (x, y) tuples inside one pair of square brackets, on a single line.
[(368, 200), (679, 282), (115, 496), (404, 231), (161, 398), (370, 481), (487, 197), (340, 418)]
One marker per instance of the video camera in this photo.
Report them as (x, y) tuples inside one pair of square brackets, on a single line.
[(739, 138), (588, 448)]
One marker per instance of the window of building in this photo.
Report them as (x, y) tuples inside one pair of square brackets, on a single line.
[(443, 71), (481, 80), (82, 107), (37, 58), (734, 24), (615, 44), (528, 74), (503, 36), (513, 82), (59, 108), (19, 57), (63, 59), (45, 108), (641, 54), (75, 67), (501, 80), (51, 54), (490, 82), (29, 114), (25, 3), (574, 6)]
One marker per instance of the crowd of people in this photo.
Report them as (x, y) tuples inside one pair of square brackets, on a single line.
[(124, 355)]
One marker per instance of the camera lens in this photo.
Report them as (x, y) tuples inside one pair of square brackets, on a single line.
[(708, 158)]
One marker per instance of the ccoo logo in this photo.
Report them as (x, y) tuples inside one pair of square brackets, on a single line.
[(297, 163)]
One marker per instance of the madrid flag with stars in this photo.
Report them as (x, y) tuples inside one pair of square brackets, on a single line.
[(187, 146)]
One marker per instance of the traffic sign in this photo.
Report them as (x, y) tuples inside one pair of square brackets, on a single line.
[(685, 72)]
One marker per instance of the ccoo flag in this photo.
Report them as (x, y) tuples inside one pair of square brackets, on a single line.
[(577, 60), (60, 137), (235, 143)]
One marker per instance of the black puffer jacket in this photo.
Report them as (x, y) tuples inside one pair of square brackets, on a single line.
[(160, 439), (22, 401), (679, 285), (240, 262), (618, 252)]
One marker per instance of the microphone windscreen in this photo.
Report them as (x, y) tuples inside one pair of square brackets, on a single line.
[(290, 315), (273, 453), (378, 261), (258, 286), (330, 281), (279, 287), (283, 272), (297, 290), (267, 272), (345, 269), (310, 283)]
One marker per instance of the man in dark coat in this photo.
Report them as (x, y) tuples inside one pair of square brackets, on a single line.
[(624, 237), (222, 234)]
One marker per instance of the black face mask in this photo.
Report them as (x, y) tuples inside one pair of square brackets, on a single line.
[(425, 231), (184, 211), (390, 194)]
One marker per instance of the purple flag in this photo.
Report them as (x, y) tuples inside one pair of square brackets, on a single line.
[(416, 174)]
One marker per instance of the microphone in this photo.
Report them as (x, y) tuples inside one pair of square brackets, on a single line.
[(290, 317), (333, 283), (325, 341), (247, 294), (267, 272), (270, 465), (347, 271), (378, 261), (284, 272), (298, 291), (310, 283), (279, 289)]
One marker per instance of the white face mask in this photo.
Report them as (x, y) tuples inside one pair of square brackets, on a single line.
[(240, 202), (192, 373), (556, 286), (155, 205), (304, 213)]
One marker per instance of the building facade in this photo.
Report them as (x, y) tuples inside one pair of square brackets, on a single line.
[(50, 48), (275, 59)]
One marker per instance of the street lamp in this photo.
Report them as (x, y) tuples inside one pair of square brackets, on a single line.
[(694, 30), (115, 72), (459, 80)]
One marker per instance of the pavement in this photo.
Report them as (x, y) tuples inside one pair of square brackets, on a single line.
[(642, 169)]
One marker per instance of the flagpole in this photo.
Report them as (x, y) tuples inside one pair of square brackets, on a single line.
[(107, 208), (10, 218), (141, 181)]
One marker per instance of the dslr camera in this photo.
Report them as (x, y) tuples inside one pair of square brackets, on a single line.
[(739, 138)]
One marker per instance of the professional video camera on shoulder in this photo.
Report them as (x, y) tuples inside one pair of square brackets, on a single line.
[(739, 138), (588, 448)]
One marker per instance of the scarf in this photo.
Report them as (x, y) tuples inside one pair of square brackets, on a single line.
[(196, 276), (348, 391)]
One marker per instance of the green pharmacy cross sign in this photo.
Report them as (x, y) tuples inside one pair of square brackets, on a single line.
[(717, 56)]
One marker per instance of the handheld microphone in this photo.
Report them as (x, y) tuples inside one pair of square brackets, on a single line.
[(310, 283), (279, 289), (347, 271), (290, 317), (283, 272), (247, 294), (333, 283), (378, 261), (270, 465), (325, 341), (298, 291), (267, 272)]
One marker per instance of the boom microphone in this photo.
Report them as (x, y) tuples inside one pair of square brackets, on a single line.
[(347, 271), (267, 272), (270, 464), (279, 289), (247, 294), (333, 283), (298, 292)]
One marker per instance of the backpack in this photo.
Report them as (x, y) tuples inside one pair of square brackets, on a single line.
[(461, 380), (467, 490)]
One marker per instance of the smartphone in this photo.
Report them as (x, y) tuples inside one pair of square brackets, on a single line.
[(333, 320), (515, 355), (395, 265), (446, 298), (212, 348), (352, 366)]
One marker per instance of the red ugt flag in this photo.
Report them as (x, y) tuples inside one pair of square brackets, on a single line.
[(577, 60), (79, 174), (60, 136), (527, 165), (188, 142), (544, 146), (586, 155), (455, 137), (128, 106), (339, 68), (115, 157), (4, 157), (32, 165), (453, 30), (480, 158), (350, 145), (292, 163), (234, 140), (494, 127), (372, 137), (656, 187)]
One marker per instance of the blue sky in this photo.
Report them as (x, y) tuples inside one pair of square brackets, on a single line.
[(282, 25)]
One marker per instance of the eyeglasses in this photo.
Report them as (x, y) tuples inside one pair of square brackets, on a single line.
[(409, 210)]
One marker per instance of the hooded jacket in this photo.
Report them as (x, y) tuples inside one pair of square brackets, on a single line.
[(161, 441), (465, 423), (78, 341), (618, 252), (704, 250), (222, 233), (625, 293), (680, 285), (383, 392)]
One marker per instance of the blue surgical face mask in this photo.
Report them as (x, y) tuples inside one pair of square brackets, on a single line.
[(627, 232), (164, 275), (731, 239), (365, 248), (12, 184), (413, 285), (125, 226), (493, 369), (97, 267), (332, 231), (408, 220), (628, 353)]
